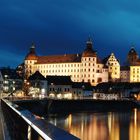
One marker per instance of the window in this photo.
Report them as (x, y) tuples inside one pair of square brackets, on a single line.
[(99, 80), (98, 71)]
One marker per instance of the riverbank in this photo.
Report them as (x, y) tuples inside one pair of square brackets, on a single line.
[(52, 106)]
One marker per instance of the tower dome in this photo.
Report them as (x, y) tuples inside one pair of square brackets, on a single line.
[(89, 52), (132, 51), (32, 54), (132, 56)]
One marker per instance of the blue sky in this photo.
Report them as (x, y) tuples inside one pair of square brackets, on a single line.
[(59, 27)]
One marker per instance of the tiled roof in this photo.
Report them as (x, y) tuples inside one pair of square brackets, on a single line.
[(37, 76), (59, 80), (124, 68), (82, 85), (59, 58)]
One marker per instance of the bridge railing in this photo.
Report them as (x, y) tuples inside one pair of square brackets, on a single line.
[(24, 125)]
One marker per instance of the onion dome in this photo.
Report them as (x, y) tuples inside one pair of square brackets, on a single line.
[(32, 54), (89, 52)]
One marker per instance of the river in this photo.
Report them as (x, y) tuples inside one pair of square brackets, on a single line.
[(117, 125)]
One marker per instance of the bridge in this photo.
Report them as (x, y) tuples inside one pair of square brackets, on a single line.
[(24, 125)]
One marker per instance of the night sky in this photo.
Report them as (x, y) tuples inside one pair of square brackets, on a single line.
[(63, 26)]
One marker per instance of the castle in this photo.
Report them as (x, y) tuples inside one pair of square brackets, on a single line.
[(84, 67)]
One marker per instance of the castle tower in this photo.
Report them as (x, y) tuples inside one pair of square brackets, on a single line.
[(30, 60), (92, 67), (132, 56)]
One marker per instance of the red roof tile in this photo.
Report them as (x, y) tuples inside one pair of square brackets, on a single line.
[(59, 58)]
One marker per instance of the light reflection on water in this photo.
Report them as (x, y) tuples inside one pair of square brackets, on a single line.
[(101, 126)]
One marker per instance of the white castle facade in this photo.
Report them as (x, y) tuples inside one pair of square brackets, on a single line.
[(84, 67)]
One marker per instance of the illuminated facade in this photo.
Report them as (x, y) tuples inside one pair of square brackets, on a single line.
[(113, 67), (85, 67), (134, 73), (134, 62)]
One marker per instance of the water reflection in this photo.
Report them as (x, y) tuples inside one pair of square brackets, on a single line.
[(102, 126)]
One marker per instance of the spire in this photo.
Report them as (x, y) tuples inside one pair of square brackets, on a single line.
[(32, 48), (89, 40), (89, 43)]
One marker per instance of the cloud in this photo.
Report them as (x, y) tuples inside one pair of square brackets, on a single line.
[(63, 26)]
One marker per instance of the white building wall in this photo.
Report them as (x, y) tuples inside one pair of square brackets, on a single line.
[(113, 67), (134, 73), (88, 70)]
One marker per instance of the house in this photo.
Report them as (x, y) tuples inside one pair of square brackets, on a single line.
[(38, 84), (10, 81)]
